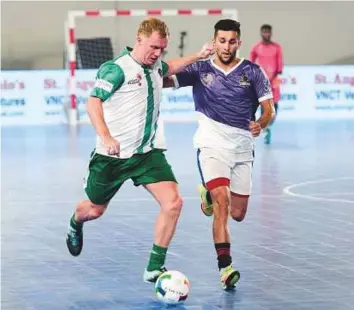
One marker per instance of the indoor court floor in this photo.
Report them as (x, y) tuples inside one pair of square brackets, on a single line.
[(295, 249)]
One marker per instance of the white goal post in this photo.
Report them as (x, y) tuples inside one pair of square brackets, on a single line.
[(71, 41)]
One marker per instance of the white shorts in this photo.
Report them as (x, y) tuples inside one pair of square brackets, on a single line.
[(220, 168)]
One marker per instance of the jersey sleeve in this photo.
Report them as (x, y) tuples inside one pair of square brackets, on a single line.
[(109, 78), (187, 77), (164, 68), (261, 85)]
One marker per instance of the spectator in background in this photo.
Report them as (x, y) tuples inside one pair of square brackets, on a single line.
[(268, 54)]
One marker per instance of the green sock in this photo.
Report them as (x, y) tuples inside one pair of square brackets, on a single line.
[(157, 258), (75, 225)]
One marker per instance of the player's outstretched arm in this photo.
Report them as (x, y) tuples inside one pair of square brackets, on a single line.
[(168, 82), (95, 112), (177, 65)]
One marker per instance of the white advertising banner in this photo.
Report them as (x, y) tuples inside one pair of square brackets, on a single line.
[(307, 92), (317, 92)]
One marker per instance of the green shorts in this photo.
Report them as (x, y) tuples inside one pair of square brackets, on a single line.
[(107, 174)]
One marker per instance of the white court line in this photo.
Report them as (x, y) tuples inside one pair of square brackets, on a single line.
[(333, 194), (287, 190), (128, 199)]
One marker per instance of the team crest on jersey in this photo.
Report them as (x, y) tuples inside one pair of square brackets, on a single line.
[(244, 82), (160, 72), (207, 79)]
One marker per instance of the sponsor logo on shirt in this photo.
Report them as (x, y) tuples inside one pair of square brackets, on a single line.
[(244, 82), (207, 79), (137, 80), (105, 85)]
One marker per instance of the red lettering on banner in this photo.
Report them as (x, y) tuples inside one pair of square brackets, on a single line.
[(50, 83), (288, 80), (85, 85), (320, 79), (337, 79), (12, 85), (344, 80)]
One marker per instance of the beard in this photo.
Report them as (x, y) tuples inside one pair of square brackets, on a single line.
[(266, 39), (226, 59)]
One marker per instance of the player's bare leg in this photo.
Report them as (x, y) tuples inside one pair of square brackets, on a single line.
[(85, 211), (238, 207), (88, 211), (167, 195), (221, 201)]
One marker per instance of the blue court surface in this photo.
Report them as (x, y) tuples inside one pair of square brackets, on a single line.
[(295, 249)]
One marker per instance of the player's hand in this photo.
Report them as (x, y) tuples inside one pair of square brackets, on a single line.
[(112, 146), (255, 128), (206, 51)]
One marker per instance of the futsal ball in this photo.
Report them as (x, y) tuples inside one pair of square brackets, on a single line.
[(172, 287)]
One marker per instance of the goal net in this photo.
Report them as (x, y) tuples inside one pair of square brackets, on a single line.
[(95, 36)]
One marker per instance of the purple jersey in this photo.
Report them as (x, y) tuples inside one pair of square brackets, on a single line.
[(226, 97)]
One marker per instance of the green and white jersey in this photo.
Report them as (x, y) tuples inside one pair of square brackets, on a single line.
[(131, 95)]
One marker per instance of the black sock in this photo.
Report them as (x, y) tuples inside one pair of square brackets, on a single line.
[(223, 252), (75, 225)]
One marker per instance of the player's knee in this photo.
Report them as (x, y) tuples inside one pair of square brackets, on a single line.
[(221, 200), (239, 205), (174, 205), (238, 215), (97, 210)]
